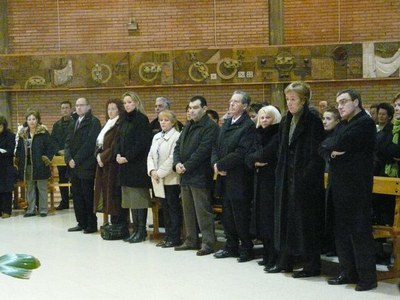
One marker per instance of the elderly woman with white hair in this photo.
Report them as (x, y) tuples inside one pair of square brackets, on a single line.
[(262, 159)]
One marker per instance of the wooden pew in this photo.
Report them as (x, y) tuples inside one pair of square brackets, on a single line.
[(57, 161), (389, 186)]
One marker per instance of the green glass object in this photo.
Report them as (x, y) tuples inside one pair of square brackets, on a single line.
[(18, 265)]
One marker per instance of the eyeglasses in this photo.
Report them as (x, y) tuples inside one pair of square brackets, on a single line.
[(342, 102)]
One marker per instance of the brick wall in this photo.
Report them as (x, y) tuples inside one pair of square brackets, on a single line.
[(308, 22), (101, 25)]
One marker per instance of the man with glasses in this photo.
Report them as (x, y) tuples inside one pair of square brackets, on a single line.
[(351, 151), (79, 157)]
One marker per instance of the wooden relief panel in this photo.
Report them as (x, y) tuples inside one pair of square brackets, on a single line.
[(200, 66)]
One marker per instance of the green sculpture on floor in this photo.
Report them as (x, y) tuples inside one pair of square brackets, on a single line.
[(18, 265)]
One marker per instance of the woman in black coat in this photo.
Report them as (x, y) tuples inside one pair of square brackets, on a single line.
[(262, 159), (299, 188), (133, 145), (35, 151), (7, 170)]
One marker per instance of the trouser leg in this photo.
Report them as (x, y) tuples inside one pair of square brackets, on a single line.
[(364, 254), (241, 214), (166, 216), (79, 201), (31, 195), (88, 197), (6, 203), (228, 221), (189, 214), (43, 196), (205, 217), (64, 191), (344, 249), (175, 212)]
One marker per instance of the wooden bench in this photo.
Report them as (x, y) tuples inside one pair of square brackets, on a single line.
[(389, 186)]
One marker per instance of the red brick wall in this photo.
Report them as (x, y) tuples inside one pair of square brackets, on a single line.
[(332, 21), (101, 25)]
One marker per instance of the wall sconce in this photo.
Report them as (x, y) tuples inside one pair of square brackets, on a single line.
[(132, 25)]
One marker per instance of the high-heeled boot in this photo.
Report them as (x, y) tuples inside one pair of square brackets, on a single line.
[(141, 234), (135, 223)]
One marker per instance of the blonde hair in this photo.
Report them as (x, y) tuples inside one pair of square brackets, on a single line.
[(171, 116), (135, 98), (302, 89), (269, 109)]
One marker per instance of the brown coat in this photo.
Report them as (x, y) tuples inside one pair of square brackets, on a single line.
[(106, 192)]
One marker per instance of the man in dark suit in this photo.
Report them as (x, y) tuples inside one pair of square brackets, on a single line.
[(79, 156), (192, 160), (351, 149), (228, 158)]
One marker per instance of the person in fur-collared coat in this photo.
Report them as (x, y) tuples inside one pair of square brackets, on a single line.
[(262, 159), (34, 153), (299, 189)]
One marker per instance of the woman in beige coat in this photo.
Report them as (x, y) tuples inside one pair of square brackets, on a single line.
[(165, 181)]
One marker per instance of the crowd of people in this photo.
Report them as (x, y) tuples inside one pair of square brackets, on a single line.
[(266, 167)]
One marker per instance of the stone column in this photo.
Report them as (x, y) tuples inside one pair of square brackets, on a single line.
[(5, 104), (276, 34)]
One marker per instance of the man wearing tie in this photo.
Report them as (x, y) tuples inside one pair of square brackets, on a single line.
[(79, 157)]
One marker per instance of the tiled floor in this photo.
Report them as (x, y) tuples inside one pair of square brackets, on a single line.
[(79, 266)]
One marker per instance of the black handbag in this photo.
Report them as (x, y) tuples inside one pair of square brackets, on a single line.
[(114, 232)]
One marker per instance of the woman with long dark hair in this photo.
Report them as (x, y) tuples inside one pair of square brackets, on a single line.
[(107, 194)]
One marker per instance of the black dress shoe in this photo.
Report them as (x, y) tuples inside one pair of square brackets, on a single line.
[(90, 230), (225, 253), (169, 245), (129, 238), (365, 287), (277, 269), (204, 251), (305, 274), (341, 279), (244, 257), (43, 215), (185, 247), (262, 262), (76, 228), (62, 206)]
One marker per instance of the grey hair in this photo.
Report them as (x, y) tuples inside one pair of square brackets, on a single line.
[(166, 101), (245, 97)]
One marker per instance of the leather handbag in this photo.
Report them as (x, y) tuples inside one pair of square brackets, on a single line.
[(114, 232)]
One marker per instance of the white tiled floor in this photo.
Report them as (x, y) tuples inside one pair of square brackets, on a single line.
[(79, 266)]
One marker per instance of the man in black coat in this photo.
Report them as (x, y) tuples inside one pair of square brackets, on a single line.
[(59, 135), (351, 148), (79, 156), (162, 103), (192, 160), (235, 139)]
